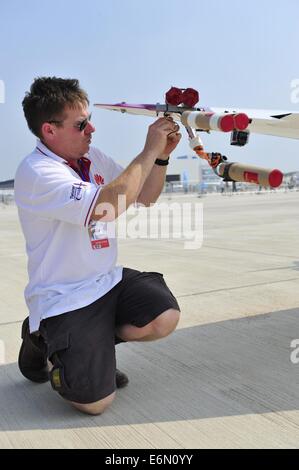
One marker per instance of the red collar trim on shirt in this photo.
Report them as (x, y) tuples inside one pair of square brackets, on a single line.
[(84, 164), (83, 172)]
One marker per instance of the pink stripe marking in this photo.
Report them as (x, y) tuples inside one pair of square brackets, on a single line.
[(90, 208)]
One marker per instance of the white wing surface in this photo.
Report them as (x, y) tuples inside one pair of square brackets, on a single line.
[(268, 122)]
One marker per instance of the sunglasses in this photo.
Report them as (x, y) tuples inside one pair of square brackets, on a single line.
[(80, 125)]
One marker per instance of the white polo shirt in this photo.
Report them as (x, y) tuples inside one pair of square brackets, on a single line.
[(71, 261)]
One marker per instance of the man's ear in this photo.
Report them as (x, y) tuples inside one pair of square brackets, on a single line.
[(47, 131)]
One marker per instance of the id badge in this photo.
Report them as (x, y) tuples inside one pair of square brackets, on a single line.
[(98, 235)]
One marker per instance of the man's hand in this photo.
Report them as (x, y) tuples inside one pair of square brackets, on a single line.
[(162, 137), (172, 141)]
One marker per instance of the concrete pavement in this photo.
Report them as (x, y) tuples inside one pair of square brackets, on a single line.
[(224, 379)]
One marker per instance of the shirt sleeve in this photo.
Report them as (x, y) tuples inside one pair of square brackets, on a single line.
[(53, 192)]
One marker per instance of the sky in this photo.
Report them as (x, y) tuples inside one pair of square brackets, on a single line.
[(236, 54)]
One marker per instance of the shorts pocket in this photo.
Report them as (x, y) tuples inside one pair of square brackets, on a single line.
[(56, 348), (60, 343)]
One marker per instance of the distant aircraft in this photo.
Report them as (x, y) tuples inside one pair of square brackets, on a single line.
[(180, 104)]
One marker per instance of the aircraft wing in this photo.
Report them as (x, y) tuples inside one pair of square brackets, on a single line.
[(154, 110), (268, 122)]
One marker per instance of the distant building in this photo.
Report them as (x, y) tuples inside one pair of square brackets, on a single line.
[(291, 179), (191, 173), (7, 192), (9, 184)]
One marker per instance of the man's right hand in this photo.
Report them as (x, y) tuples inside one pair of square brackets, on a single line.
[(157, 136)]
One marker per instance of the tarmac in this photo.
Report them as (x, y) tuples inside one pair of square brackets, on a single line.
[(228, 377)]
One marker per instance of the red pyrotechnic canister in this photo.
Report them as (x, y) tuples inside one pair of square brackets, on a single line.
[(190, 97), (174, 96), (241, 121)]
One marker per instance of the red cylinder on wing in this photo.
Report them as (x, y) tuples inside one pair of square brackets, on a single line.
[(275, 178), (241, 121), (226, 123), (241, 172), (207, 121)]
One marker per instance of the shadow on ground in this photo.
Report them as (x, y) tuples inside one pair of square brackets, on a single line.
[(228, 368)]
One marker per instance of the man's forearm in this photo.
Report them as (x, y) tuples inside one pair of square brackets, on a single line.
[(153, 185), (128, 184), (161, 139)]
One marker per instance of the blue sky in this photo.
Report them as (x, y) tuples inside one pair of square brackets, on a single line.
[(240, 54)]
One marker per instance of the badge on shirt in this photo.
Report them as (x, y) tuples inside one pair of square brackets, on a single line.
[(76, 191), (98, 235)]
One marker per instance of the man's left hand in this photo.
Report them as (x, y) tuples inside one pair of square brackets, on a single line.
[(172, 141)]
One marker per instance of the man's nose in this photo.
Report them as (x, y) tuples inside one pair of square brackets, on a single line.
[(89, 129)]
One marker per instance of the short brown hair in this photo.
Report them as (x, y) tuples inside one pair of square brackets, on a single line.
[(48, 98)]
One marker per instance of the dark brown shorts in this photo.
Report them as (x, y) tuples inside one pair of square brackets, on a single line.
[(81, 343)]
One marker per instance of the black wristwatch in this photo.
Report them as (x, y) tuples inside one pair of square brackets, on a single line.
[(160, 162)]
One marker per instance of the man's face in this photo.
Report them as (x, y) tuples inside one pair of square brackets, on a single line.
[(72, 137)]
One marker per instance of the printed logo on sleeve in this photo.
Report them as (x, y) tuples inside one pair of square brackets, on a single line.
[(77, 189)]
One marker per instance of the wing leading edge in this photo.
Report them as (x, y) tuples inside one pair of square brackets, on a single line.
[(275, 123)]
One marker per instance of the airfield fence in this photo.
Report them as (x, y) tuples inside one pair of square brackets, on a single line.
[(177, 188), (7, 197), (227, 188)]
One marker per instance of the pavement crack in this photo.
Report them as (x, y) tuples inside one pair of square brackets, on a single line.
[(240, 250), (237, 287)]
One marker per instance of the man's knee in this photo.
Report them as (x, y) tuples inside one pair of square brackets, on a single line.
[(165, 323), (97, 407)]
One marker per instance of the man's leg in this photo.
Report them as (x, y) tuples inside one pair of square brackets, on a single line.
[(95, 408), (32, 358), (161, 326), (33, 362)]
